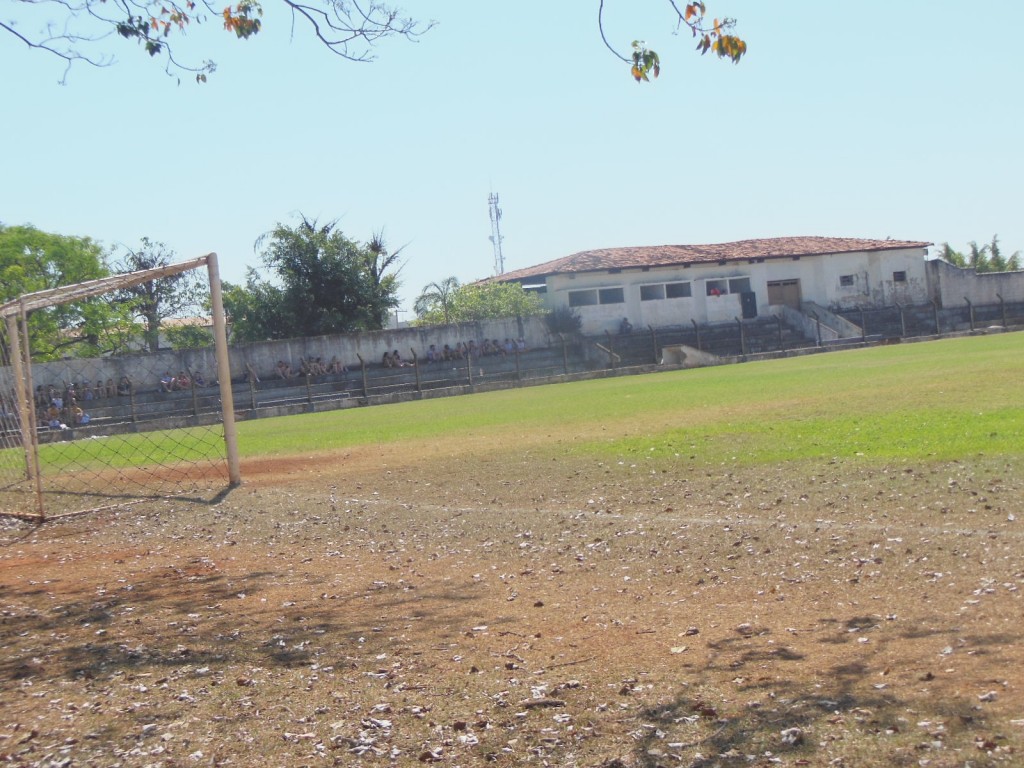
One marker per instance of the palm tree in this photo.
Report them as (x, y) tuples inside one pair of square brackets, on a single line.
[(437, 297)]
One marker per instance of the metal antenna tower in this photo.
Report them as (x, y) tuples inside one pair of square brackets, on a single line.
[(499, 259)]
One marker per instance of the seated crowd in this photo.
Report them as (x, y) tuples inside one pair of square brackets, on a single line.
[(312, 366), (182, 382), (58, 407), (486, 348)]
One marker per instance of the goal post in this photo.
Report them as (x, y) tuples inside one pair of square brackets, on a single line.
[(21, 428)]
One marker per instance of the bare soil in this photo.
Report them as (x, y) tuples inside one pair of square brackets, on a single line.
[(475, 604)]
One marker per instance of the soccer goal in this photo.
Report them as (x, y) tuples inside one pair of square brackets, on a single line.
[(79, 434)]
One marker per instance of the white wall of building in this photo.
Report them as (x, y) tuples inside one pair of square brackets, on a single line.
[(659, 296)]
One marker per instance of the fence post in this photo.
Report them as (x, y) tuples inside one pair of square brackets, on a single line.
[(309, 391), (362, 365), (970, 310), (519, 377), (743, 336), (611, 350), (195, 399), (131, 399), (903, 321), (778, 322), (696, 328), (935, 314), (21, 359), (469, 368), (565, 356), (252, 395), (654, 343), (1002, 309), (863, 327), (416, 368)]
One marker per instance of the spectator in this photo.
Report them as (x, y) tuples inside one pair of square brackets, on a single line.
[(124, 386), (284, 371), (111, 389), (182, 382), (625, 326), (53, 418), (198, 380), (167, 382)]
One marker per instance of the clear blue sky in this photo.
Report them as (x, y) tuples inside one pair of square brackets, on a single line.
[(898, 119)]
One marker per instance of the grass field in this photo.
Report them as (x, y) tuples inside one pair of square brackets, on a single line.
[(942, 400), (813, 561)]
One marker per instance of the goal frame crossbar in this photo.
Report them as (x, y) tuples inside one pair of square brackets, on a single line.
[(15, 315)]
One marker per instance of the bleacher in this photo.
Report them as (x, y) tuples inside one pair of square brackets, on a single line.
[(644, 347), (148, 407)]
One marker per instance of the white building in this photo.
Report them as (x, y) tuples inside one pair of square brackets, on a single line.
[(679, 284)]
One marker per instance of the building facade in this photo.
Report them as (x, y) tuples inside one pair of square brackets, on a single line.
[(681, 284)]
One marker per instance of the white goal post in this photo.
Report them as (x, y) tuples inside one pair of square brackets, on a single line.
[(15, 316)]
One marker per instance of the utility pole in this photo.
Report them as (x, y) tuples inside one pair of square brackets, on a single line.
[(499, 259)]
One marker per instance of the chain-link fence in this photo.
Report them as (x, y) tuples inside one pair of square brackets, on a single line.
[(82, 433)]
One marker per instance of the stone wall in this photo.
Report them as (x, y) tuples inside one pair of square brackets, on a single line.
[(949, 285), (145, 369)]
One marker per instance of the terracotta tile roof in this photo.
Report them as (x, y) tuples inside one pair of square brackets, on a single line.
[(670, 255)]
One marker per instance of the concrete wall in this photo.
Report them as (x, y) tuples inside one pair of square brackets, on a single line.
[(870, 277), (949, 285), (145, 369)]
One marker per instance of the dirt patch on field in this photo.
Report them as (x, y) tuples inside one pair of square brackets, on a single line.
[(478, 604)]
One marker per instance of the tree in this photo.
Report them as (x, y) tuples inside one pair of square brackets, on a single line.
[(482, 301), (32, 260), (82, 30), (326, 283), (188, 336), (715, 37), (563, 320), (382, 285), (436, 300), (982, 258), (173, 296), (255, 311)]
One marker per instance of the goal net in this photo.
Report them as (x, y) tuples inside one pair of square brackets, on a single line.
[(83, 433)]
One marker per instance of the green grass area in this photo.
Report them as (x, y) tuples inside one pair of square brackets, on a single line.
[(162, 448), (941, 400), (944, 399)]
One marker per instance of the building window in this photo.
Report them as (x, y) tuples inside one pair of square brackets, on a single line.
[(899, 277), (846, 281), (677, 290), (612, 296), (739, 285), (717, 287), (652, 292), (582, 298)]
